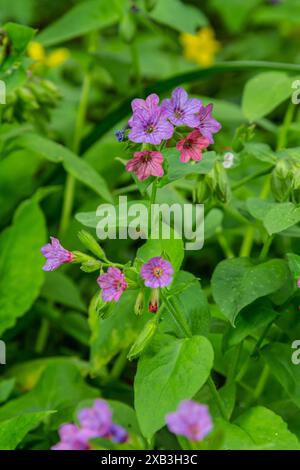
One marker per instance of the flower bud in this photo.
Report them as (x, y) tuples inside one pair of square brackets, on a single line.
[(143, 339), (90, 266), (91, 244), (218, 182), (154, 301), (139, 303), (281, 180)]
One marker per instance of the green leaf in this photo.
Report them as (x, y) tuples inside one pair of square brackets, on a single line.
[(262, 152), (6, 387), (279, 358), (59, 389), (192, 303), (212, 222), (91, 15), (242, 10), (19, 35), (264, 92), (13, 430), (77, 167), (171, 370), (21, 262), (281, 216), (294, 263), (177, 15), (237, 282), (267, 429), (59, 288)]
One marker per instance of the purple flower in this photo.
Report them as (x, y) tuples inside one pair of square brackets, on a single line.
[(182, 110), (298, 282), (118, 434), (149, 123), (112, 284), (157, 272), (72, 438), (191, 420), (56, 255), (97, 420), (145, 164), (208, 125)]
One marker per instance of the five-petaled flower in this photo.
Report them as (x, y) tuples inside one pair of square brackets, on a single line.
[(145, 164), (191, 146), (207, 124), (56, 255), (112, 283), (149, 123), (191, 420), (157, 272), (182, 110)]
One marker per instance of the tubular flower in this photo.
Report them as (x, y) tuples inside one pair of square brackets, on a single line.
[(56, 255)]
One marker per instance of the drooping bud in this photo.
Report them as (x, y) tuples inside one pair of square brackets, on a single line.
[(218, 182), (91, 244), (154, 301), (139, 303), (143, 339), (281, 181)]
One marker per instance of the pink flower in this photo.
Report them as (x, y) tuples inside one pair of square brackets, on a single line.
[(157, 272), (145, 164), (55, 254), (112, 284), (298, 282), (192, 146), (191, 420)]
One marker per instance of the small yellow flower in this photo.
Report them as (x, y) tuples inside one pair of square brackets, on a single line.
[(37, 52), (201, 47)]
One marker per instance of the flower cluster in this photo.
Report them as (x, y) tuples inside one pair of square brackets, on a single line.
[(95, 422), (191, 420), (153, 123)]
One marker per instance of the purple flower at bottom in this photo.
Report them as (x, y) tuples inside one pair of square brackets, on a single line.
[(191, 420), (208, 125), (182, 110), (56, 255), (97, 420), (118, 434), (72, 438), (113, 284), (157, 272)]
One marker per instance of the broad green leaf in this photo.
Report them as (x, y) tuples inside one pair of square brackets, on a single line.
[(264, 92), (110, 335), (212, 222), (192, 303), (182, 17), (279, 358), (262, 152), (6, 387), (77, 167), (258, 208), (59, 389), (235, 438), (235, 23), (267, 430), (252, 318), (59, 288), (13, 430), (294, 263), (171, 370), (21, 262), (237, 282), (91, 15), (281, 216), (19, 35)]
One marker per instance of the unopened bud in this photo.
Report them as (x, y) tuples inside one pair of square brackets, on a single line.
[(139, 303), (154, 301), (91, 244), (143, 339), (218, 182), (281, 181)]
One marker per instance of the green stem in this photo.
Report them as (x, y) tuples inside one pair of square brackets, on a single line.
[(119, 365), (261, 382), (283, 133), (177, 315), (151, 202), (265, 248), (222, 240), (234, 366), (42, 336), (217, 398), (69, 192), (249, 178)]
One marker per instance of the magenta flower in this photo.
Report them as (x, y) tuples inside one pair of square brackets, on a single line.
[(208, 125), (157, 272), (191, 420), (149, 123), (298, 282), (55, 254), (113, 284), (191, 147), (145, 164), (97, 419), (182, 110), (72, 438)]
